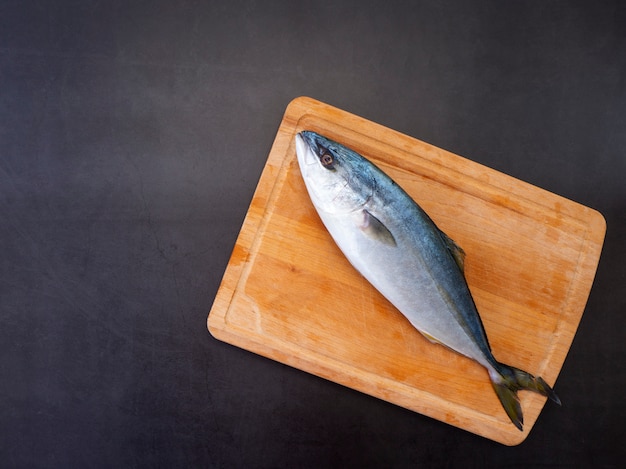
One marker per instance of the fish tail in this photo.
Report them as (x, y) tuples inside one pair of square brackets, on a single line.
[(507, 380)]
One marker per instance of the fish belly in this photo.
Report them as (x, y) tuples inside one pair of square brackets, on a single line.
[(400, 274)]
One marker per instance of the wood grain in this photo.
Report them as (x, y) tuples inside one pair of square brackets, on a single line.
[(289, 294)]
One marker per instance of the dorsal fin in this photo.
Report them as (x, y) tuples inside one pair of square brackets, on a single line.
[(457, 251), (375, 229)]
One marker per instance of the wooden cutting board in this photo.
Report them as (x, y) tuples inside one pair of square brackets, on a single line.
[(289, 294)]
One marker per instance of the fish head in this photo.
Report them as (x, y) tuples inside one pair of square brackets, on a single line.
[(335, 176)]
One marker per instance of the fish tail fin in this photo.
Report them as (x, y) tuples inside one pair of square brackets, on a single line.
[(507, 380)]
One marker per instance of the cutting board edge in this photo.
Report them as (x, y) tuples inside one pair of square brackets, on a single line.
[(396, 394)]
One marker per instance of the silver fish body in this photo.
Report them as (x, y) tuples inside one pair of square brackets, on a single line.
[(395, 245)]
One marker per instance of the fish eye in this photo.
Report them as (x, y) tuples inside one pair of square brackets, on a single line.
[(327, 160)]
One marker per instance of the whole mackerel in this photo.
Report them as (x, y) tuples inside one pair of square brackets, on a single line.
[(395, 245)]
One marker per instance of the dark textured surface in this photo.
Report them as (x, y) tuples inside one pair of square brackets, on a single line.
[(132, 135)]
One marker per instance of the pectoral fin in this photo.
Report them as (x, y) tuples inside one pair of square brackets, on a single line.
[(457, 252), (375, 229)]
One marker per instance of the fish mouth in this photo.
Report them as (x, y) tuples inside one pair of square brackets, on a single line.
[(309, 138), (304, 150)]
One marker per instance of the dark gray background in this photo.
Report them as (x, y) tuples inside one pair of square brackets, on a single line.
[(132, 136)]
